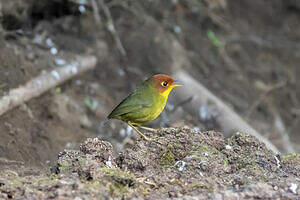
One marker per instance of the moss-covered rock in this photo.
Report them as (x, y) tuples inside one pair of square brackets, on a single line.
[(167, 158)]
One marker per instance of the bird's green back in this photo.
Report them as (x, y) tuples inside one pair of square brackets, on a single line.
[(141, 106)]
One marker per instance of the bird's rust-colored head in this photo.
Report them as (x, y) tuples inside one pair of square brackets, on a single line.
[(163, 84)]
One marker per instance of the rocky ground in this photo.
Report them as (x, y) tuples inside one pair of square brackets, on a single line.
[(177, 163), (239, 57)]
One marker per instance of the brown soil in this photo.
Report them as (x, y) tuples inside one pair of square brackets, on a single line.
[(177, 163)]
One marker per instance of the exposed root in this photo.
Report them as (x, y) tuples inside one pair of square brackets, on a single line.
[(45, 81)]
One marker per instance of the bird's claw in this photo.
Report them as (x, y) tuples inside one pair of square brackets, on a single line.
[(146, 138), (156, 130)]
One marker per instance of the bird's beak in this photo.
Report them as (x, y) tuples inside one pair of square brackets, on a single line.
[(175, 85)]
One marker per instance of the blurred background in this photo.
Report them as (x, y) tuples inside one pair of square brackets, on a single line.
[(247, 53)]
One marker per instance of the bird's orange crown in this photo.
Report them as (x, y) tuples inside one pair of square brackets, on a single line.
[(163, 84)]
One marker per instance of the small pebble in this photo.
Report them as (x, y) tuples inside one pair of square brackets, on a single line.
[(206, 154), (55, 74), (128, 130), (108, 162), (53, 51), (182, 165), (82, 9), (202, 165), (121, 72), (49, 42), (122, 133), (293, 188), (196, 128), (59, 61), (177, 29)]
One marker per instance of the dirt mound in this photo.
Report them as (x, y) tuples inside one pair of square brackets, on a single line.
[(239, 50), (178, 162)]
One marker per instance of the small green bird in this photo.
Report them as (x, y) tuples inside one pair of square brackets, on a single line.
[(145, 103)]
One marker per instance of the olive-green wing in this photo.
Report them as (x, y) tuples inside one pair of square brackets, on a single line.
[(123, 110), (132, 104)]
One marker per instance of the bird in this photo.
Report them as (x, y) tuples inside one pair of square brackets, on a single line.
[(145, 103)]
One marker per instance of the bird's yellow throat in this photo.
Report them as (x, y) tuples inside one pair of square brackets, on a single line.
[(166, 93)]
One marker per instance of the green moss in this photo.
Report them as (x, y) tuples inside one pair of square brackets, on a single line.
[(9, 173), (64, 165), (198, 185), (204, 151), (119, 180), (115, 171), (117, 188), (247, 160), (53, 176), (254, 168), (120, 176), (12, 179), (243, 134), (144, 190), (291, 157), (225, 162), (167, 158)]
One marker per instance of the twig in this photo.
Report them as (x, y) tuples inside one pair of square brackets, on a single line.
[(7, 161), (44, 82), (228, 60), (271, 43), (263, 97), (96, 11), (219, 21), (111, 27)]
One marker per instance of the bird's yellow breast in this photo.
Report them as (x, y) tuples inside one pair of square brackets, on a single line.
[(159, 108), (160, 104)]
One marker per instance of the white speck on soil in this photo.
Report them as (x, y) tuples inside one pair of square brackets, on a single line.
[(293, 188), (55, 74), (108, 162), (53, 51), (59, 61), (49, 42), (182, 165)]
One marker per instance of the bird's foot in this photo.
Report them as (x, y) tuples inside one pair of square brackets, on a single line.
[(146, 138), (149, 129), (143, 136), (139, 132)]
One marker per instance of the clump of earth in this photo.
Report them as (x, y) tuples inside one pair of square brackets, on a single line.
[(176, 163)]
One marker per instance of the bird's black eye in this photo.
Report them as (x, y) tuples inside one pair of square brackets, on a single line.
[(165, 84)]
